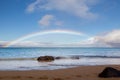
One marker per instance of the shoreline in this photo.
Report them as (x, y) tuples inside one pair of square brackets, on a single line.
[(76, 73)]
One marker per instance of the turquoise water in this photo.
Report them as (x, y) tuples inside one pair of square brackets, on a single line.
[(25, 58), (36, 52)]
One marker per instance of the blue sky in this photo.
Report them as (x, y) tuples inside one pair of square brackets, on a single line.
[(91, 17)]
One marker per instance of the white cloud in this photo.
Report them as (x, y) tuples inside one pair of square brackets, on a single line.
[(32, 7), (93, 42), (80, 8), (48, 20), (111, 39), (113, 36), (2, 43)]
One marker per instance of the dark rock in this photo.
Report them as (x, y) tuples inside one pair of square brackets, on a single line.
[(109, 72), (45, 58), (60, 58), (75, 57)]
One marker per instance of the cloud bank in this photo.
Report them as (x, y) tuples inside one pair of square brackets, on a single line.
[(79, 8), (111, 38), (2, 43)]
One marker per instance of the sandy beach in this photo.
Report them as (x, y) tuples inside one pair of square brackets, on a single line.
[(78, 73)]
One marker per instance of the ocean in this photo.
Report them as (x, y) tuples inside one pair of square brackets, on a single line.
[(26, 58)]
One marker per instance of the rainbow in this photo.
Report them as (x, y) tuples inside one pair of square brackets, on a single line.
[(43, 33)]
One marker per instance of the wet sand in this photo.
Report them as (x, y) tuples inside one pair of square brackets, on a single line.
[(78, 73)]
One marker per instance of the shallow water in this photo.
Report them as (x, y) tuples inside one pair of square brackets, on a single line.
[(25, 58)]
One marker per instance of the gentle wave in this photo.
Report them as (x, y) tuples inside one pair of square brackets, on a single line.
[(61, 57), (7, 59), (95, 56)]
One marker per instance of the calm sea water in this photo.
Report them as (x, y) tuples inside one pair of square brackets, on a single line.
[(25, 58)]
